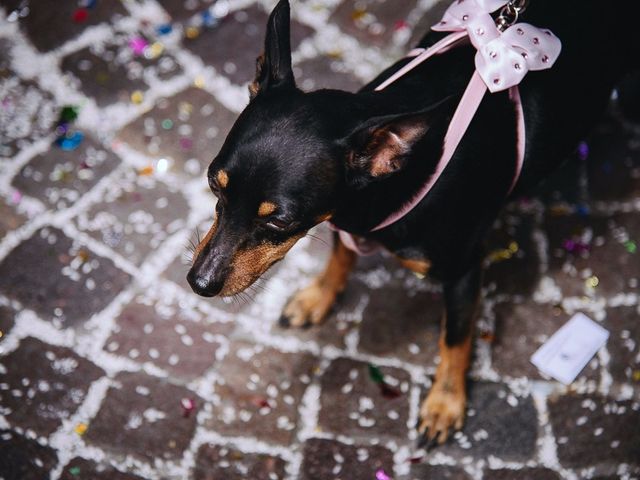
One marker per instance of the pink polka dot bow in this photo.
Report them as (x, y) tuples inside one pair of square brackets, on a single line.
[(503, 58)]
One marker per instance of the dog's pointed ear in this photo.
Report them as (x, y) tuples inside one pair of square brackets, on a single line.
[(383, 145), (273, 67)]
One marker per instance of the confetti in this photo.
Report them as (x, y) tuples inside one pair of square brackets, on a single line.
[(138, 45), (592, 282), (146, 171), (70, 141), (575, 246), (504, 253), (382, 475), (192, 32), (583, 150), (1, 334), (186, 143), (386, 390), (137, 97), (80, 15), (199, 81), (636, 375), (208, 19), (358, 14), (167, 123), (164, 29), (80, 428), (631, 246), (261, 402), (154, 50), (583, 210), (487, 336), (188, 406), (75, 471), (69, 113), (376, 374), (16, 197)]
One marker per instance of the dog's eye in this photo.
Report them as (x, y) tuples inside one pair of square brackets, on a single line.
[(278, 225)]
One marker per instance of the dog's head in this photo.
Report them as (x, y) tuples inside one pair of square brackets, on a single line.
[(285, 163)]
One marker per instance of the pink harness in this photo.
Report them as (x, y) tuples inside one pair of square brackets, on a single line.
[(502, 60)]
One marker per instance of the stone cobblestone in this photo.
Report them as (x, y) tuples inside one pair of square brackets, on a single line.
[(143, 416), (213, 462), (43, 385), (58, 278), (110, 368)]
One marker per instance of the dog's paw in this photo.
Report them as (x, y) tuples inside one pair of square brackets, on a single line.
[(308, 306), (442, 410)]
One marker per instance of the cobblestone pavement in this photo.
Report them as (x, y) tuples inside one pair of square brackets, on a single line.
[(111, 368)]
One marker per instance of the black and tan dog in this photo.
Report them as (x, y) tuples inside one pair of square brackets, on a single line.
[(294, 160)]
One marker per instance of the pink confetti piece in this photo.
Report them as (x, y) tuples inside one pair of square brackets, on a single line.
[(16, 197), (382, 475), (137, 45), (188, 406)]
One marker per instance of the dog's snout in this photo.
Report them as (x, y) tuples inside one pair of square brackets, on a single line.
[(204, 284), (209, 272)]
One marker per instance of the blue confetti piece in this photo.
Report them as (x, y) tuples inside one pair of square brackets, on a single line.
[(164, 29), (583, 210), (70, 142), (208, 19)]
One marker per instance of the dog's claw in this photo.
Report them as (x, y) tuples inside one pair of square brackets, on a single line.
[(433, 442), (284, 321), (422, 440)]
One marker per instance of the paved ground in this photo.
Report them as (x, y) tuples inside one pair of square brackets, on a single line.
[(112, 369)]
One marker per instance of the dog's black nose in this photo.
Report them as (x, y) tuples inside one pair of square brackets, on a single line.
[(204, 284)]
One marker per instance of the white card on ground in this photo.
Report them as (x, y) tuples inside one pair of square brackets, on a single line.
[(568, 350)]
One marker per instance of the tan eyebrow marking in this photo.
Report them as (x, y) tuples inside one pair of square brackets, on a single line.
[(266, 208), (223, 178)]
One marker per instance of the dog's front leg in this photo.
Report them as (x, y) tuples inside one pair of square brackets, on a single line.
[(312, 304), (444, 407)]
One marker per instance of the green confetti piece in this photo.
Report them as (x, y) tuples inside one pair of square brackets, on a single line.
[(375, 374), (69, 113), (631, 246), (167, 124), (75, 471)]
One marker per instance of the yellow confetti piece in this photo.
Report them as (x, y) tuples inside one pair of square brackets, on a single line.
[(154, 50), (592, 282), (559, 210), (1, 333), (137, 97), (192, 32), (358, 14), (83, 255), (636, 375), (199, 81), (513, 247), (80, 428), (146, 171), (185, 108)]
